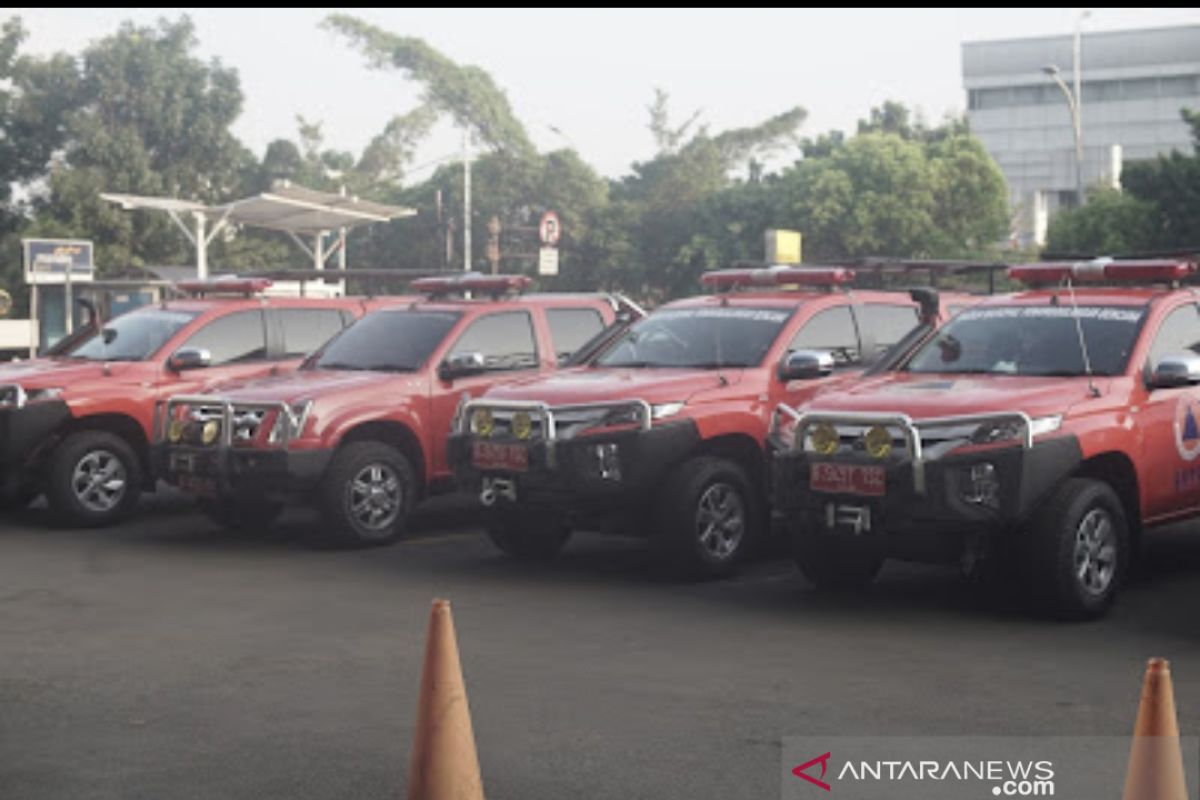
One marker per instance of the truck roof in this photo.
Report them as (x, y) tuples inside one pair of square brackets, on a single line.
[(783, 298), (1094, 295)]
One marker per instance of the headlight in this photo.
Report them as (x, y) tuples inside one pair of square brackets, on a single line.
[(14, 396), (878, 442), (209, 432), (48, 393), (825, 438), (290, 427), (664, 410), (482, 422), (175, 431), (522, 425), (990, 432)]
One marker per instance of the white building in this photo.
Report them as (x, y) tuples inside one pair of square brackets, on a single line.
[(1134, 85)]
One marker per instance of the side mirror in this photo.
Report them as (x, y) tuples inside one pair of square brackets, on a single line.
[(803, 365), (458, 365), (1176, 369), (189, 358)]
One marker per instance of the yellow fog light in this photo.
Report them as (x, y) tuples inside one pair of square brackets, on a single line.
[(175, 431), (522, 425), (825, 439), (878, 442), (482, 422), (208, 434)]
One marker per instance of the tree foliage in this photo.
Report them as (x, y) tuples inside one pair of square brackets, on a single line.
[(467, 93)]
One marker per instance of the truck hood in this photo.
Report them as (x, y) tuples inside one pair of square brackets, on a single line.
[(300, 386), (932, 395), (40, 373), (602, 385)]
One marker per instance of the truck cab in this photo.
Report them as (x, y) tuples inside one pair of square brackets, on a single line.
[(1038, 435), (77, 425), (662, 433), (360, 429)]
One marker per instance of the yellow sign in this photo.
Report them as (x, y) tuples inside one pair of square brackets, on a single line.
[(783, 247)]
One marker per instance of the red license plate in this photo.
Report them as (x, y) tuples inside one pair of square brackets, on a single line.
[(507, 457), (194, 484), (847, 479)]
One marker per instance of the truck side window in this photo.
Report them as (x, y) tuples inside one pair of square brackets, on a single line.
[(235, 338), (572, 327), (505, 340), (887, 323), (306, 329), (1179, 333), (833, 330)]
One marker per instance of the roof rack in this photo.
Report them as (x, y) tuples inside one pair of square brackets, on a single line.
[(494, 285)]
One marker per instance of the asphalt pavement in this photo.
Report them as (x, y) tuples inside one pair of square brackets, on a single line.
[(169, 658)]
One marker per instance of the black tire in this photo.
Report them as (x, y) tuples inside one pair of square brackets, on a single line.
[(527, 538), (355, 519), (93, 478), (832, 564), (1078, 550), (688, 508), (242, 514)]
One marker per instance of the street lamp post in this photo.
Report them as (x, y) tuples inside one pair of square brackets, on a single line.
[(1074, 101)]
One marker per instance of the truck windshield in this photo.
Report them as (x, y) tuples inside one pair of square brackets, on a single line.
[(1032, 340), (134, 336), (698, 338), (393, 340)]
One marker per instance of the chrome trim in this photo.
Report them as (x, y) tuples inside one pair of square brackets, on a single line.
[(545, 413), (227, 409), (910, 429), (21, 398)]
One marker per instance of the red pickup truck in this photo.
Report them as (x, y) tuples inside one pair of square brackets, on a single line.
[(360, 429), (1042, 432), (77, 425), (661, 434)]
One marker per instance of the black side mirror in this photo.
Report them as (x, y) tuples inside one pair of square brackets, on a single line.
[(803, 365), (189, 358), (1175, 370), (458, 365)]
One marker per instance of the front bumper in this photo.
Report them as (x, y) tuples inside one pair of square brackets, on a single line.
[(564, 477), (229, 471), (923, 512), (24, 434)]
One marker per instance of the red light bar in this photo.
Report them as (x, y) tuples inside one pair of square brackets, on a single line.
[(471, 282), (1102, 269), (224, 286), (777, 276)]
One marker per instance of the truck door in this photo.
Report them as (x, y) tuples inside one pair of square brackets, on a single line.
[(1170, 422)]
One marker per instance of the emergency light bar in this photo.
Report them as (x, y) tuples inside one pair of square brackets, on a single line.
[(1104, 269), (471, 282), (777, 276), (246, 286)]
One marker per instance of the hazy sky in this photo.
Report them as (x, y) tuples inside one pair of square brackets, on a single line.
[(591, 73)]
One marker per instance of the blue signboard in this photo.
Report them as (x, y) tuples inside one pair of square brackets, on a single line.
[(49, 260)]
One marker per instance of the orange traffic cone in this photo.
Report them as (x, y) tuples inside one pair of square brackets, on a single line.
[(444, 765), (1156, 760)]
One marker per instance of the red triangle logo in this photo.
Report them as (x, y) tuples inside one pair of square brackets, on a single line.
[(799, 771)]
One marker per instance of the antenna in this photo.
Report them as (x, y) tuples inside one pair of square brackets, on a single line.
[(1087, 360)]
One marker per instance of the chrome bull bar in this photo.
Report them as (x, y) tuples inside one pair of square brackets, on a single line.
[(227, 409), (545, 414), (909, 429)]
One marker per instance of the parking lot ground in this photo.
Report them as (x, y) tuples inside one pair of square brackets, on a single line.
[(168, 658)]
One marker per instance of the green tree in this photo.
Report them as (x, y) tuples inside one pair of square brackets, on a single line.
[(1112, 222), (146, 117)]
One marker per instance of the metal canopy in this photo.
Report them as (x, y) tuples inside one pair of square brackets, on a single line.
[(295, 210)]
